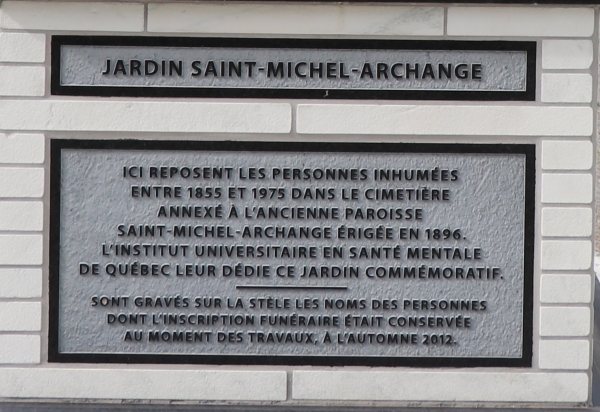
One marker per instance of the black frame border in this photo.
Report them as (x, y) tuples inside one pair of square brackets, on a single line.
[(57, 145), (281, 43)]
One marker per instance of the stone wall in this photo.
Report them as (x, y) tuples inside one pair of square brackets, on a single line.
[(561, 122)]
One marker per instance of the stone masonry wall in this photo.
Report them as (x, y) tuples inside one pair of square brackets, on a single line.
[(560, 122)]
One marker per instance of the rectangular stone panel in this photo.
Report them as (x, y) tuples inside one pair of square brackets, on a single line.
[(293, 68), (291, 253)]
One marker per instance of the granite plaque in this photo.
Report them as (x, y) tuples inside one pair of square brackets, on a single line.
[(290, 253), (328, 69)]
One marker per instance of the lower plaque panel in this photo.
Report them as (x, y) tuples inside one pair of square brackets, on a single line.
[(289, 253)]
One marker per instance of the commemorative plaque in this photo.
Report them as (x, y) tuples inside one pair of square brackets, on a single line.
[(290, 253), (293, 68)]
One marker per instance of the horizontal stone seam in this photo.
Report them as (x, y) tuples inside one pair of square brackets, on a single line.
[(21, 265), (21, 64), (388, 103), (20, 199), (444, 36), (567, 171), (566, 338), (13, 332), (16, 299), (566, 103), (567, 71), (4, 200), (21, 333), (566, 237), (19, 231), (570, 171), (559, 304), (23, 165), (567, 271), (572, 204), (21, 299), (557, 205)]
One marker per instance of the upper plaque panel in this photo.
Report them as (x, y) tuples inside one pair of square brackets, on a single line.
[(293, 68)]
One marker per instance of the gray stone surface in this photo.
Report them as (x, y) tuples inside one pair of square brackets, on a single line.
[(216, 67), (97, 208)]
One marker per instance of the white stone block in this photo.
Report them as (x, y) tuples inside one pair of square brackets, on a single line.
[(521, 21), (566, 288), (22, 47), (21, 250), (445, 120), (21, 283), (567, 221), (441, 386), (21, 216), (163, 384), (21, 148), (22, 81), (564, 354), (20, 316), (85, 16), (566, 254), (567, 54), (21, 182), (567, 188), (146, 116), (567, 155), (19, 349), (566, 88), (308, 18), (564, 321)]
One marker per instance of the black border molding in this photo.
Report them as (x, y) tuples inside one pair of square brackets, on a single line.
[(157, 91), (57, 145)]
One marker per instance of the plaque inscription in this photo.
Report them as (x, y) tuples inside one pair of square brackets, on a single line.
[(284, 253), (328, 69)]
